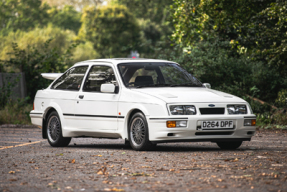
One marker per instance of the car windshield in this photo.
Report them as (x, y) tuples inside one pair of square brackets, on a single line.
[(156, 75)]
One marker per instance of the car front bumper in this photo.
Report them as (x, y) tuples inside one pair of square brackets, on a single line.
[(158, 131)]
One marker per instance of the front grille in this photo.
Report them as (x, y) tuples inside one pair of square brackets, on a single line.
[(215, 133), (211, 111)]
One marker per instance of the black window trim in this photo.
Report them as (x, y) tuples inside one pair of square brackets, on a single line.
[(101, 65), (67, 72)]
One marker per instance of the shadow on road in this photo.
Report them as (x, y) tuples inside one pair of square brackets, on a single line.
[(161, 147)]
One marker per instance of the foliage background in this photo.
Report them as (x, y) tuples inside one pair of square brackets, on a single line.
[(237, 46)]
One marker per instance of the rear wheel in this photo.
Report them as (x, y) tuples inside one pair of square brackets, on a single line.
[(138, 133), (229, 145), (54, 131)]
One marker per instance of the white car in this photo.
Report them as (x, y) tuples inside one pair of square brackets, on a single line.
[(143, 101)]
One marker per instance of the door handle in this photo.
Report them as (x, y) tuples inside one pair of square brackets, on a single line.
[(81, 96)]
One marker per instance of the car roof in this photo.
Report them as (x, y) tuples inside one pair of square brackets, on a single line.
[(116, 61)]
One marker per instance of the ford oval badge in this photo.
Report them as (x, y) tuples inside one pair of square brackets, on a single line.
[(211, 105)]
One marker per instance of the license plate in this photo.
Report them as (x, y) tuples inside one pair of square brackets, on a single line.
[(216, 124)]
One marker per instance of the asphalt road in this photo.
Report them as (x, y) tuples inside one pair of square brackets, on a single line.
[(28, 163)]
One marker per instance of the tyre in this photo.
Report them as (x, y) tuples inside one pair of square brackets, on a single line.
[(229, 145), (54, 131), (138, 133)]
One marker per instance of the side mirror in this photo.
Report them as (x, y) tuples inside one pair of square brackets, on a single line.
[(207, 85), (108, 88)]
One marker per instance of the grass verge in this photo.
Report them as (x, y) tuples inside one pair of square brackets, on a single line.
[(16, 112)]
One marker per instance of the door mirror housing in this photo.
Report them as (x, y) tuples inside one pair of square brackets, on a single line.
[(108, 88), (207, 85)]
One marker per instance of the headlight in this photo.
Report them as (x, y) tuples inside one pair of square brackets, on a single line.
[(182, 110), (237, 109)]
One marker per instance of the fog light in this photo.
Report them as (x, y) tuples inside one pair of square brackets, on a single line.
[(172, 124), (249, 122)]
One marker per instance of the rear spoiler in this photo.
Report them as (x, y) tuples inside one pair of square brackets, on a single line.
[(51, 76)]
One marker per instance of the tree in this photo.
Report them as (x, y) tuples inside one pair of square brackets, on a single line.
[(77, 4), (113, 30), (34, 62), (66, 18), (254, 28), (153, 18), (156, 11), (22, 14), (36, 38), (198, 20)]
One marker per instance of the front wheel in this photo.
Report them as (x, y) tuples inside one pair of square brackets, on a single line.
[(54, 131), (229, 145), (138, 133)]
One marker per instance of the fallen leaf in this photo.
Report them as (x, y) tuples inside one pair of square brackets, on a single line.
[(100, 172), (113, 189), (104, 171), (14, 179), (162, 169), (235, 160), (169, 183), (73, 161)]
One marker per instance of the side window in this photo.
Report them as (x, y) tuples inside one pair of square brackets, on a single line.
[(71, 80), (97, 76)]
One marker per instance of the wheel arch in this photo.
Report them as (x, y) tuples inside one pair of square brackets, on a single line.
[(128, 119), (45, 116)]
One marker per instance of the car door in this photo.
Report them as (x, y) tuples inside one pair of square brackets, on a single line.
[(97, 111), (64, 92)]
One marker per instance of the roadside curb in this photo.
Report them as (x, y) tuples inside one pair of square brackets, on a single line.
[(18, 126)]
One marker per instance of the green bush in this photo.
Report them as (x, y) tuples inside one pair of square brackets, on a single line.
[(34, 62), (281, 100), (6, 90), (61, 40), (16, 112)]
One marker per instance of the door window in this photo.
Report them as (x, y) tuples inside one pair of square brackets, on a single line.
[(97, 76), (71, 80)]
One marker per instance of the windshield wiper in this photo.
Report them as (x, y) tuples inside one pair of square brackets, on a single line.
[(185, 85), (162, 85), (149, 85)]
